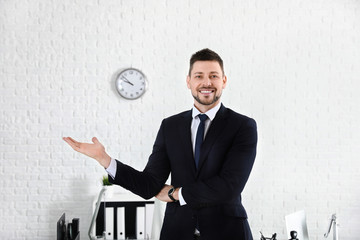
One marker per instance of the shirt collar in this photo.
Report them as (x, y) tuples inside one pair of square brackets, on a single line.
[(211, 113)]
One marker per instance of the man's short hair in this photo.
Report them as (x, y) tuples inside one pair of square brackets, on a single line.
[(205, 55)]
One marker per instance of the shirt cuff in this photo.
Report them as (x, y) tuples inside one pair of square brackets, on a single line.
[(111, 170), (181, 199)]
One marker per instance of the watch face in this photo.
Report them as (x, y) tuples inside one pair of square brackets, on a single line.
[(171, 191), (131, 83)]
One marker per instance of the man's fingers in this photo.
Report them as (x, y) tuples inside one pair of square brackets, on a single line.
[(73, 141), (74, 144)]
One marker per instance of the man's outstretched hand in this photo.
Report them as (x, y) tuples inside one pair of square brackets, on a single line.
[(94, 150)]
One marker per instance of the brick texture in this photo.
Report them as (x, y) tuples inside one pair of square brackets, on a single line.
[(294, 66)]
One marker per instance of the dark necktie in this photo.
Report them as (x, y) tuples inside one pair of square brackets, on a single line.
[(199, 138)]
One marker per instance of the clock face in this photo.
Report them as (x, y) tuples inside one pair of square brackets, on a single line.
[(131, 83)]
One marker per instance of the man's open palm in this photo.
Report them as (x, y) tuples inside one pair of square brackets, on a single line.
[(94, 150)]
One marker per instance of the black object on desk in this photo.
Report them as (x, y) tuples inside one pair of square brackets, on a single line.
[(273, 237), (293, 235), (61, 228), (69, 231)]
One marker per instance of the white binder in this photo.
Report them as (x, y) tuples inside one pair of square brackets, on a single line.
[(140, 223), (121, 223), (149, 213), (109, 223)]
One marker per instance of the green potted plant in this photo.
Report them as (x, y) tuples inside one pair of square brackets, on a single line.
[(106, 181)]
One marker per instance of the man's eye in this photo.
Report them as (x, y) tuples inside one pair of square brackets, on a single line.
[(214, 76), (198, 76)]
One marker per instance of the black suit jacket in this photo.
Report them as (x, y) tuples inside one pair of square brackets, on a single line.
[(213, 191)]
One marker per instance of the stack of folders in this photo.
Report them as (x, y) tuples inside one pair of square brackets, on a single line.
[(143, 227)]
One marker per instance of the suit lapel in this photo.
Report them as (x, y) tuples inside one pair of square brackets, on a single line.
[(216, 127), (184, 130)]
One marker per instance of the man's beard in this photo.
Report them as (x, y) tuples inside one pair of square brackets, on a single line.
[(215, 99)]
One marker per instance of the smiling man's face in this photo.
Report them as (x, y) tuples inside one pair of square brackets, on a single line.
[(206, 82)]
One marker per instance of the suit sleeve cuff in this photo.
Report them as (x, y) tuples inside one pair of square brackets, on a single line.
[(181, 199), (111, 170)]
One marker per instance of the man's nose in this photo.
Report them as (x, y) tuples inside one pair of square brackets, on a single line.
[(207, 81)]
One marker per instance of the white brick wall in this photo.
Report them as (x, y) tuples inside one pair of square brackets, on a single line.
[(292, 65)]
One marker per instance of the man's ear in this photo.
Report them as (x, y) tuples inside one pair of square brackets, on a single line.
[(188, 81), (224, 81)]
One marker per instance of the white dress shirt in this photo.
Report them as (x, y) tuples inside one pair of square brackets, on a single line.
[(194, 126)]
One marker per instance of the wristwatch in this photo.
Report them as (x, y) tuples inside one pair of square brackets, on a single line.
[(170, 194)]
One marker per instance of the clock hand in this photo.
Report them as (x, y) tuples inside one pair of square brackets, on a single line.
[(127, 81)]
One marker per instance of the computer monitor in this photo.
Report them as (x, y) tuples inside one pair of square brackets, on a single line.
[(61, 228)]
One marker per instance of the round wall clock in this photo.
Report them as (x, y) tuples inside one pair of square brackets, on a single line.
[(131, 83)]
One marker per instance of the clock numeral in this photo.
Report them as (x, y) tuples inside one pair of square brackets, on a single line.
[(131, 72)]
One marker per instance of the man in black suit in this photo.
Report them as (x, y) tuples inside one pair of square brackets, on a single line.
[(209, 151)]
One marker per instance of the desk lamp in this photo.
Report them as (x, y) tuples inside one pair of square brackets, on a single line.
[(334, 225), (93, 237)]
